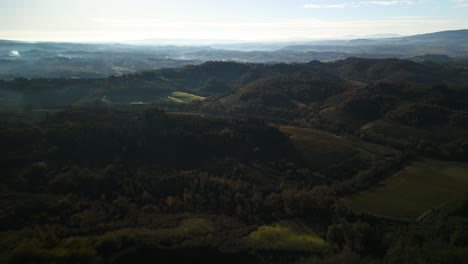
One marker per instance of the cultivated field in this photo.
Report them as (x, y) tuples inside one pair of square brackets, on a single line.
[(407, 195)]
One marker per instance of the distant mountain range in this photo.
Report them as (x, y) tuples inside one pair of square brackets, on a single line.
[(246, 45), (51, 59), (453, 43)]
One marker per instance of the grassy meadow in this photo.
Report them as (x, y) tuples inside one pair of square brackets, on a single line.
[(285, 236), (181, 97), (320, 149)]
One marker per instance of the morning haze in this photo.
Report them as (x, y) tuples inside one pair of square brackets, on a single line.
[(119, 20)]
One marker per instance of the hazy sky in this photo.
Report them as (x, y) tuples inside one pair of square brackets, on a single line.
[(117, 20)]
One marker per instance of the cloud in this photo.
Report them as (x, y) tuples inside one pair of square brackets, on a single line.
[(315, 6), (461, 3), (14, 53), (384, 3), (366, 3), (117, 22), (389, 3)]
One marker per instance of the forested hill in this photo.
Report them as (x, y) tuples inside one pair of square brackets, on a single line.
[(227, 78), (358, 160), (280, 91), (401, 102)]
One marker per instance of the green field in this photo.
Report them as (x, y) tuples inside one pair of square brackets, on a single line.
[(287, 236), (181, 97), (418, 188), (319, 149)]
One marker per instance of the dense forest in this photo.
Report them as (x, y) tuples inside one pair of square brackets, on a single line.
[(231, 162)]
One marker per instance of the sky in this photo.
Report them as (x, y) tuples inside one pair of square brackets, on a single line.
[(239, 20)]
